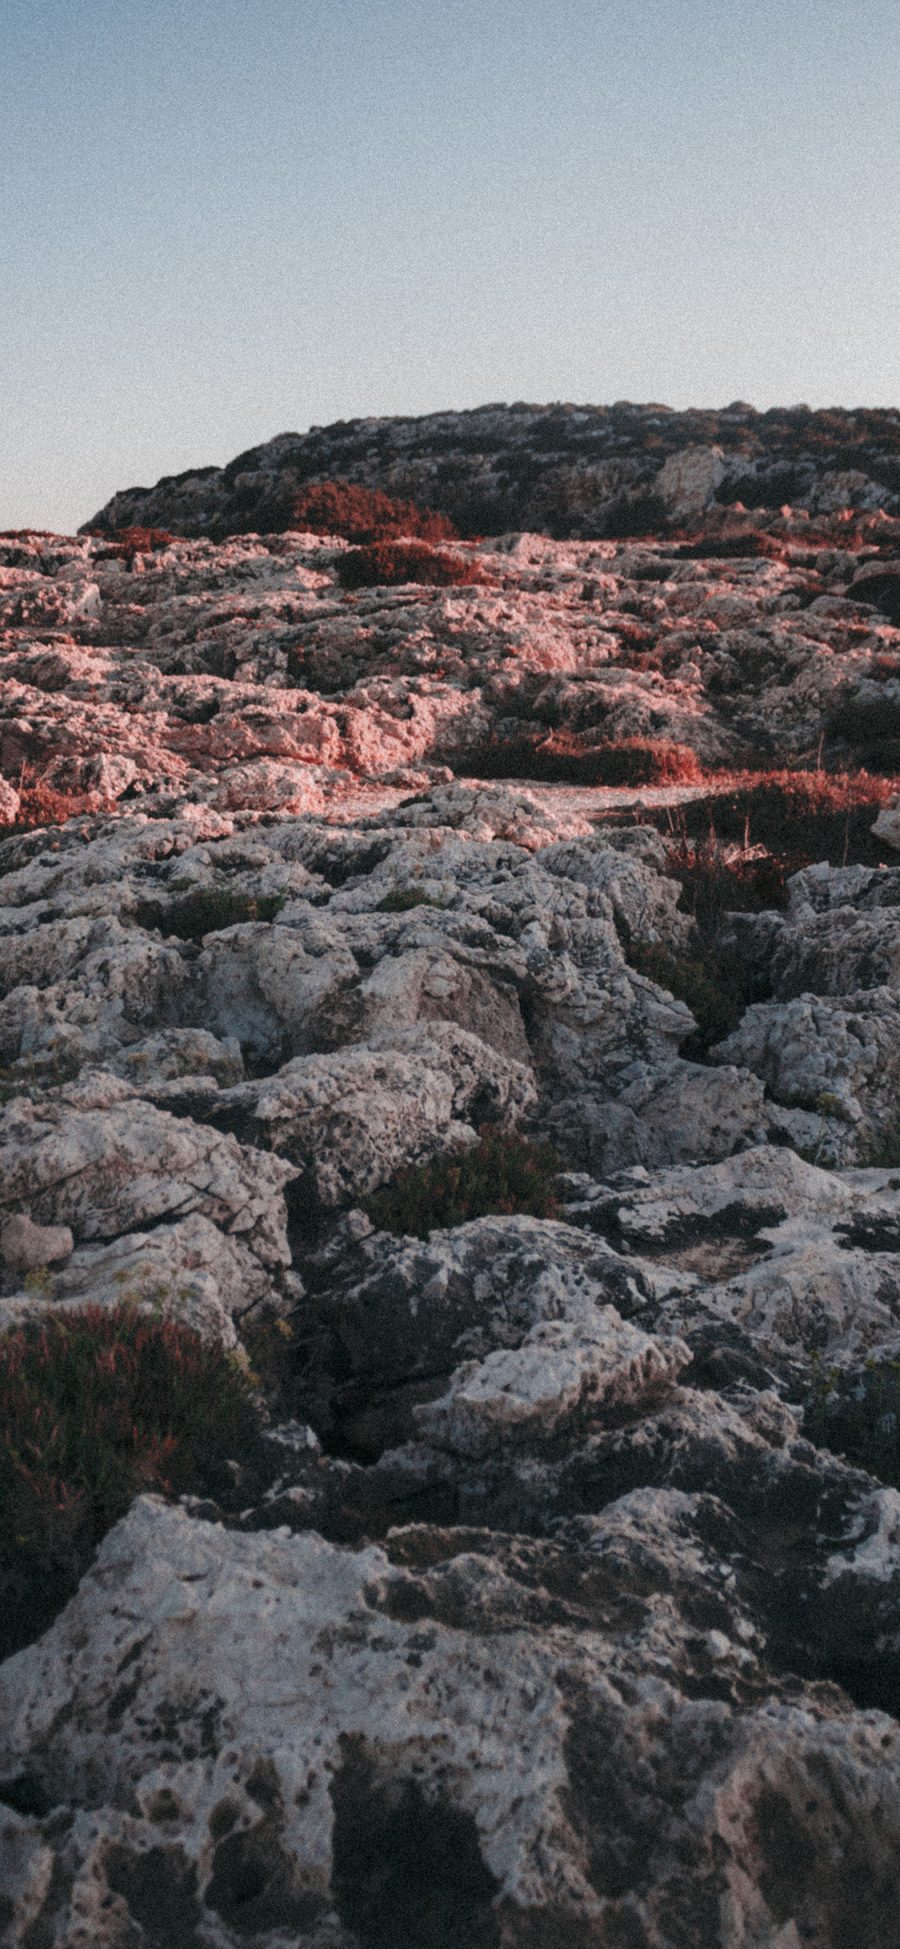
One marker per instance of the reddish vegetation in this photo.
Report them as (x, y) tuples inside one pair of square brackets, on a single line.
[(126, 543), (566, 758), (751, 542), (97, 1406), (386, 563), (717, 880), (799, 816), (364, 514), (503, 1173), (27, 534), (41, 804)]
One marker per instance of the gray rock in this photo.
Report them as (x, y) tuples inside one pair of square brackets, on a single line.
[(25, 1246), (572, 1668)]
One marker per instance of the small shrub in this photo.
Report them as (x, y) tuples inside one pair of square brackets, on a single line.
[(363, 514), (97, 1406), (752, 544), (503, 1173), (208, 911), (271, 1343), (800, 817), (28, 534), (717, 880), (389, 563), (717, 984), (126, 543), (714, 992), (638, 515), (565, 758), (882, 1150), (401, 900), (645, 761), (858, 1416), (42, 804)]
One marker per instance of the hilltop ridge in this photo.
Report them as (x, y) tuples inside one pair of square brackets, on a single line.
[(567, 470)]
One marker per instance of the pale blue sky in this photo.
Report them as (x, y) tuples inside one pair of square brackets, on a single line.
[(221, 219)]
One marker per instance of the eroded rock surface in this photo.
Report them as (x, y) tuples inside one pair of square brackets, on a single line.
[(543, 1615)]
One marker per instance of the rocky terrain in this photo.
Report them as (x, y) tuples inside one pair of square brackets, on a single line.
[(567, 470), (556, 1604)]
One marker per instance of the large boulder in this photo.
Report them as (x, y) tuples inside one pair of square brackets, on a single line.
[(505, 1742)]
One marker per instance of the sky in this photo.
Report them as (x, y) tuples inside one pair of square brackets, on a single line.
[(225, 219)]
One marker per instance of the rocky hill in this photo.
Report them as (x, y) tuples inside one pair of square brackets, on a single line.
[(554, 1602), (587, 471)]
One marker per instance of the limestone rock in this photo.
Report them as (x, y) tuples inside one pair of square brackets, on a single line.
[(689, 479), (25, 1246), (620, 1702), (837, 1057), (559, 1371), (103, 1162)]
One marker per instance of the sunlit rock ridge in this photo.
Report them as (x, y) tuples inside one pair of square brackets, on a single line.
[(564, 469)]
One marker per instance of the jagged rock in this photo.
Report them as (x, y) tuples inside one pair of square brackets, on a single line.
[(887, 827), (9, 802), (836, 1057), (661, 1114), (688, 480), (258, 1799), (350, 1119), (561, 1371), (103, 1162), (403, 1317), (506, 467), (192, 1270), (328, 890), (801, 1259)]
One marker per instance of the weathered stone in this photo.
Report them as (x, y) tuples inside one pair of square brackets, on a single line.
[(24, 1246), (542, 1501), (208, 1670)]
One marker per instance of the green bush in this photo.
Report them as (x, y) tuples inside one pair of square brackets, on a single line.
[(208, 911), (503, 1173), (401, 900), (858, 1416), (98, 1405), (714, 994)]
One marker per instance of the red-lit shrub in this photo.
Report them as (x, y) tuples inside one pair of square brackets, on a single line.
[(41, 804), (751, 544), (709, 974), (799, 816), (126, 543), (386, 563), (363, 514), (718, 880), (566, 758), (28, 534), (97, 1406)]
